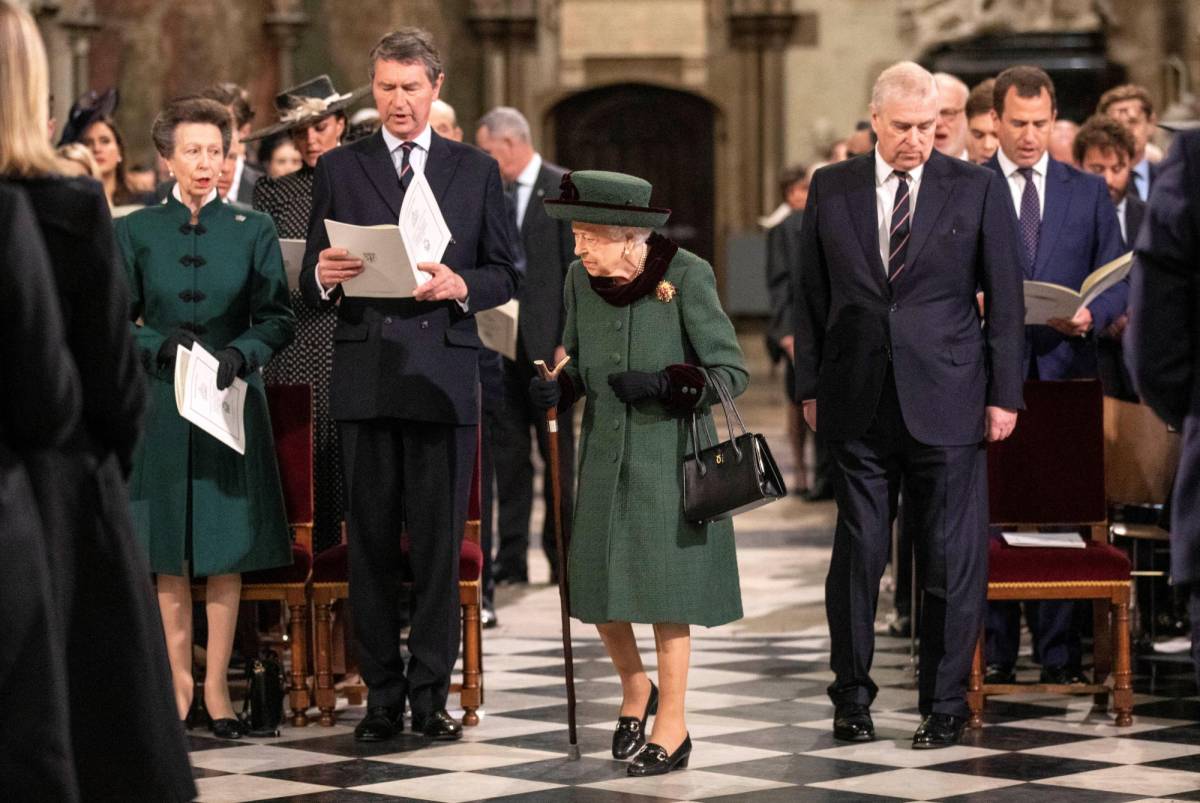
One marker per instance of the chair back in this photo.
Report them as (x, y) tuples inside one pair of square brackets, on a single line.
[(1051, 469), (291, 408), (1140, 454)]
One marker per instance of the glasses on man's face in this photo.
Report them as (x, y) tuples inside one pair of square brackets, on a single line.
[(950, 114)]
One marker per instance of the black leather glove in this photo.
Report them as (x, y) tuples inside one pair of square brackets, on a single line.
[(166, 352), (633, 386), (231, 365), (544, 393)]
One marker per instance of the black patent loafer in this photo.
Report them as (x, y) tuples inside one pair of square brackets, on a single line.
[(380, 724), (630, 734), (852, 723), (439, 726), (653, 759), (938, 730), (228, 728)]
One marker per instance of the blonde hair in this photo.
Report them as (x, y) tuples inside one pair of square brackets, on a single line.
[(24, 96), (76, 159)]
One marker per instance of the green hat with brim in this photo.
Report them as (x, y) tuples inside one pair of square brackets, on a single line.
[(606, 199)]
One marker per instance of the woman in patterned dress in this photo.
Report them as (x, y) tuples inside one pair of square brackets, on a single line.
[(313, 113)]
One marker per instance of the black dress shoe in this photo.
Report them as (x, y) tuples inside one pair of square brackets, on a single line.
[(1062, 675), (382, 722), (852, 723), (938, 730), (439, 726), (631, 731), (487, 616), (653, 759), (1000, 674), (228, 728)]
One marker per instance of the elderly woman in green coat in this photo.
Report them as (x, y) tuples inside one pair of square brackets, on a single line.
[(646, 335), (206, 273)]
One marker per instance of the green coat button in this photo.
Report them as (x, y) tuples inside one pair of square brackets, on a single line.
[(617, 358), (618, 324)]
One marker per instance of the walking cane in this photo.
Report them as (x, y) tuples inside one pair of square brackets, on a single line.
[(564, 595)]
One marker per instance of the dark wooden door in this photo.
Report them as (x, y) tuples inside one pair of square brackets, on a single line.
[(663, 135)]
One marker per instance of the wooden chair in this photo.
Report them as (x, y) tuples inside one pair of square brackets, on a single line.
[(1050, 472), (330, 583), (291, 408)]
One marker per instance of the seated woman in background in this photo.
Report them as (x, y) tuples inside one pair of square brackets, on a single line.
[(279, 156), (202, 509)]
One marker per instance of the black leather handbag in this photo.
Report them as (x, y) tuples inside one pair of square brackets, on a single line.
[(262, 710), (723, 479)]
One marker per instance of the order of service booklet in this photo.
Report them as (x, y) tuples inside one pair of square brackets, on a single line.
[(498, 328), (217, 412), (293, 255), (1068, 540), (1046, 300), (391, 253)]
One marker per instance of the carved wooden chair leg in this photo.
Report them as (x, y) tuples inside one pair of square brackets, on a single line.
[(1122, 674), (326, 694), (1102, 646), (975, 696), (471, 695), (298, 627)]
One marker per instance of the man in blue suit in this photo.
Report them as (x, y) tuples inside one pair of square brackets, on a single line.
[(1067, 227), (893, 365), (1162, 352), (405, 380)]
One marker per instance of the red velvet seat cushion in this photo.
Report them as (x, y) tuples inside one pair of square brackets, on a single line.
[(297, 572), (1096, 562), (331, 565)]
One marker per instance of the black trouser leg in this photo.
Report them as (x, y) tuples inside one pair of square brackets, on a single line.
[(514, 472), (1003, 633)]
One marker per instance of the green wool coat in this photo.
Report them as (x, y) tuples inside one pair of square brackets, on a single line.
[(223, 280), (633, 557)]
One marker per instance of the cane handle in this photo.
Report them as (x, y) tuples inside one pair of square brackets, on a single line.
[(545, 372)]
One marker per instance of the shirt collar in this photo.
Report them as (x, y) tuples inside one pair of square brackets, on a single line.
[(1142, 168), (883, 170), (179, 195), (1121, 207), (1008, 166), (529, 175), (422, 140)]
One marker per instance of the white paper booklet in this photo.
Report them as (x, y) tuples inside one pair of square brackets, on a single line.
[(498, 328), (1068, 540), (1045, 300), (220, 413), (390, 254), (293, 255)]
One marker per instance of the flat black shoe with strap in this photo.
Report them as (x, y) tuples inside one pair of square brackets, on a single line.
[(228, 728), (653, 759), (631, 731)]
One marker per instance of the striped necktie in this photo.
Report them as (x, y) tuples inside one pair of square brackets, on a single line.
[(406, 169), (901, 228)]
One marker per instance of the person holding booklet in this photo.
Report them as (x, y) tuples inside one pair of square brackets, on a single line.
[(204, 274), (1066, 229)]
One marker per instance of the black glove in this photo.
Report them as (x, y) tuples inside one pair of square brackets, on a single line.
[(633, 386), (231, 365), (166, 352), (544, 393)]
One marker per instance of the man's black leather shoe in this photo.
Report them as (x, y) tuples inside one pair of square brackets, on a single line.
[(487, 616), (438, 726), (852, 723), (1062, 675), (1000, 674), (938, 730), (381, 723)]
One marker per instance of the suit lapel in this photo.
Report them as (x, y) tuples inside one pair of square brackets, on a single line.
[(931, 198), (865, 215), (439, 168), (377, 164), (1058, 200)]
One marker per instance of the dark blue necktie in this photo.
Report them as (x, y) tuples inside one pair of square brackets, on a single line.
[(1030, 219), (900, 229), (406, 169)]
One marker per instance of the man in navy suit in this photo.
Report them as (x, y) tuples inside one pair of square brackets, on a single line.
[(405, 380), (893, 364), (1163, 357), (1067, 227)]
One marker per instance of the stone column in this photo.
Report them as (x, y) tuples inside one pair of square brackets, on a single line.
[(507, 30), (285, 23), (761, 29), (79, 27)]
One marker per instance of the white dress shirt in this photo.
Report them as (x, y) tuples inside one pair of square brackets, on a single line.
[(1016, 181), (1141, 178), (525, 183), (885, 198), (232, 195), (179, 196), (419, 155)]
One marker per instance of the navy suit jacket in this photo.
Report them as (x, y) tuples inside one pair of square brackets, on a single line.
[(850, 321), (1080, 232), (401, 358), (1161, 342), (549, 250)]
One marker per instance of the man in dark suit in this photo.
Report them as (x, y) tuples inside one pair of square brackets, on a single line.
[(1067, 227), (893, 364), (549, 248), (405, 380), (1163, 357)]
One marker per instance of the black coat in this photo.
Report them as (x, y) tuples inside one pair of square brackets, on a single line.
[(1161, 342), (108, 605), (549, 250), (400, 358), (783, 266), (851, 322)]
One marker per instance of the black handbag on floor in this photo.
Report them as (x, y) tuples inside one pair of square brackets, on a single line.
[(724, 479), (262, 712)]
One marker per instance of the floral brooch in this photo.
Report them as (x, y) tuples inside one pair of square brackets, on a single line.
[(665, 291)]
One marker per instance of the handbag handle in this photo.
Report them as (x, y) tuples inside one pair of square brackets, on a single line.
[(731, 414)]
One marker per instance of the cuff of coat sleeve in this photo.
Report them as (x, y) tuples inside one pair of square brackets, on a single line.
[(567, 395), (687, 384)]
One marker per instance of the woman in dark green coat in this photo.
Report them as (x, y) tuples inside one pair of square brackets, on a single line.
[(204, 272), (646, 334)]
